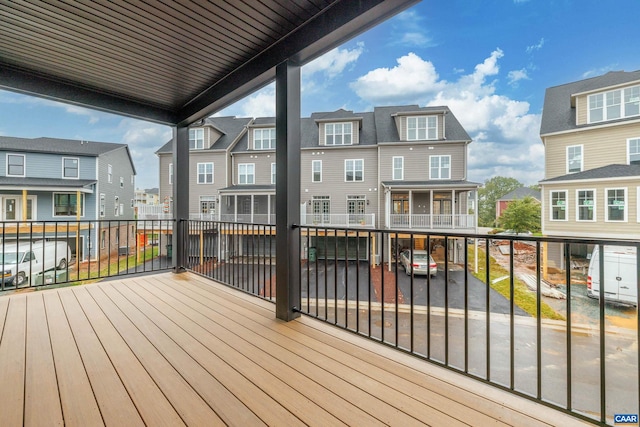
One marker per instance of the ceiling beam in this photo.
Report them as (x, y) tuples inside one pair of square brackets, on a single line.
[(29, 83), (340, 22)]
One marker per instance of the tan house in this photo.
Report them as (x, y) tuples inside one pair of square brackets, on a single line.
[(591, 133)]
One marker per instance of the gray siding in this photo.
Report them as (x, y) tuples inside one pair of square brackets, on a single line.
[(44, 165), (416, 160), (262, 161), (121, 167)]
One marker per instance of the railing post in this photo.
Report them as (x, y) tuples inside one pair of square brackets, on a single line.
[(287, 190), (180, 196)]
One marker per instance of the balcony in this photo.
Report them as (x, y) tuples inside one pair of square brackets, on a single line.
[(433, 222), (173, 349), (339, 220)]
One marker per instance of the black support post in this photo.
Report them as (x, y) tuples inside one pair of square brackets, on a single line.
[(287, 190), (180, 196)]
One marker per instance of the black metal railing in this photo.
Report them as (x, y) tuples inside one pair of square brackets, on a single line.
[(521, 313), (240, 255), (49, 253)]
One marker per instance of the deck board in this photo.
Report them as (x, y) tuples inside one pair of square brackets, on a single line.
[(170, 349)]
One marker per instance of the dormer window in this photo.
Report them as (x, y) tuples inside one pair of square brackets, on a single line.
[(196, 139), (338, 134), (264, 139), (614, 104), (421, 128)]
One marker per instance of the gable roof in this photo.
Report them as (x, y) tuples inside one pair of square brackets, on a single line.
[(609, 171), (521, 193), (559, 115), (229, 126), (387, 130)]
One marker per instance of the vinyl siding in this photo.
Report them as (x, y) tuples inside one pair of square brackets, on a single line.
[(416, 160), (355, 129), (333, 174), (44, 165), (262, 163), (582, 103), (121, 164), (572, 227), (601, 147)]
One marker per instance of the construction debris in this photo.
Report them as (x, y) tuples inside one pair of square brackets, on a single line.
[(546, 288)]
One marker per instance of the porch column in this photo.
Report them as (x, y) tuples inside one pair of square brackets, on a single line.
[(410, 207), (287, 190), (453, 208), (252, 212), (180, 149), (24, 205), (431, 209), (269, 208), (235, 208)]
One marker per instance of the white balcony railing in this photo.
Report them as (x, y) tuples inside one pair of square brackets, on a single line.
[(249, 218), (456, 221), (339, 220)]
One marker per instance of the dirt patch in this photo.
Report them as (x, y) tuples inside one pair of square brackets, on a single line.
[(390, 289)]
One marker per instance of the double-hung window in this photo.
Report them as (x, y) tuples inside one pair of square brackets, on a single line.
[(170, 173), (558, 205), (246, 173), (273, 173), (316, 171), (109, 174), (398, 168), (585, 205), (196, 139), (264, 139), (354, 170), (421, 128), (103, 205), (614, 104), (616, 209), (633, 151), (205, 173), (338, 134), (116, 205), (67, 204), (574, 158), (15, 165), (70, 167), (440, 167)]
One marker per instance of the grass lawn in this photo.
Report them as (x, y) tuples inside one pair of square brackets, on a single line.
[(524, 298)]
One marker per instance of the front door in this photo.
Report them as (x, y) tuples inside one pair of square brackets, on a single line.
[(10, 207)]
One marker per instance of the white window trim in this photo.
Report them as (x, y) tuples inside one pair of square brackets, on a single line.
[(273, 173), (637, 204), (195, 132), (262, 130), (24, 164), (595, 205), (440, 156), (253, 174), (313, 162), (393, 168), (354, 170), (116, 205), (71, 158), (102, 205), (581, 157), (334, 134), (53, 205), (170, 173), (629, 148), (204, 174), (566, 205), (606, 205), (426, 129), (604, 105)]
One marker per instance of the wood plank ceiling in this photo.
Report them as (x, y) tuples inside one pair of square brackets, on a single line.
[(168, 61)]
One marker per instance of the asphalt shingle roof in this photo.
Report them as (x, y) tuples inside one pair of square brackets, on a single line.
[(21, 182), (231, 127), (388, 132), (58, 146), (557, 113), (609, 171), (521, 193)]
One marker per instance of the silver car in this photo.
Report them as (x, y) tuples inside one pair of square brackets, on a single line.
[(423, 263)]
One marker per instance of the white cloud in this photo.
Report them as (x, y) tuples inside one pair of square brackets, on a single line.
[(334, 62), (599, 71), (408, 30), (536, 46), (411, 80), (515, 76), (505, 134), (259, 104)]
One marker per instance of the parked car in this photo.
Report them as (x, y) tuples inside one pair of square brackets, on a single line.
[(423, 263), (22, 261), (620, 274)]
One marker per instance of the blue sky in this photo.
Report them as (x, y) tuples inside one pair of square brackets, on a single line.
[(489, 61)]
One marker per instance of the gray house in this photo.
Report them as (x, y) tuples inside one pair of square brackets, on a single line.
[(89, 184)]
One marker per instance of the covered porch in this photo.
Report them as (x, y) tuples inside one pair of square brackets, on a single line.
[(249, 204), (172, 349)]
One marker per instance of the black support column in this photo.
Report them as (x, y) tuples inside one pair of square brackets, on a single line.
[(180, 151), (287, 190)]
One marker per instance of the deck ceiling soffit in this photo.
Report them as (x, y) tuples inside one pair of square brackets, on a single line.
[(170, 62)]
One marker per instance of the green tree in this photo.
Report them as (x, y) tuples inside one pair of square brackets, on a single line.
[(492, 190), (521, 215)]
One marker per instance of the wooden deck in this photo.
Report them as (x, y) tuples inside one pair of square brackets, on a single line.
[(172, 349)]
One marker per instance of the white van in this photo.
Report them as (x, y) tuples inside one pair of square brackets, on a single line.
[(620, 274), (21, 261)]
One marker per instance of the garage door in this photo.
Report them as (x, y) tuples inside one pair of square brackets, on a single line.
[(253, 245), (341, 248)]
